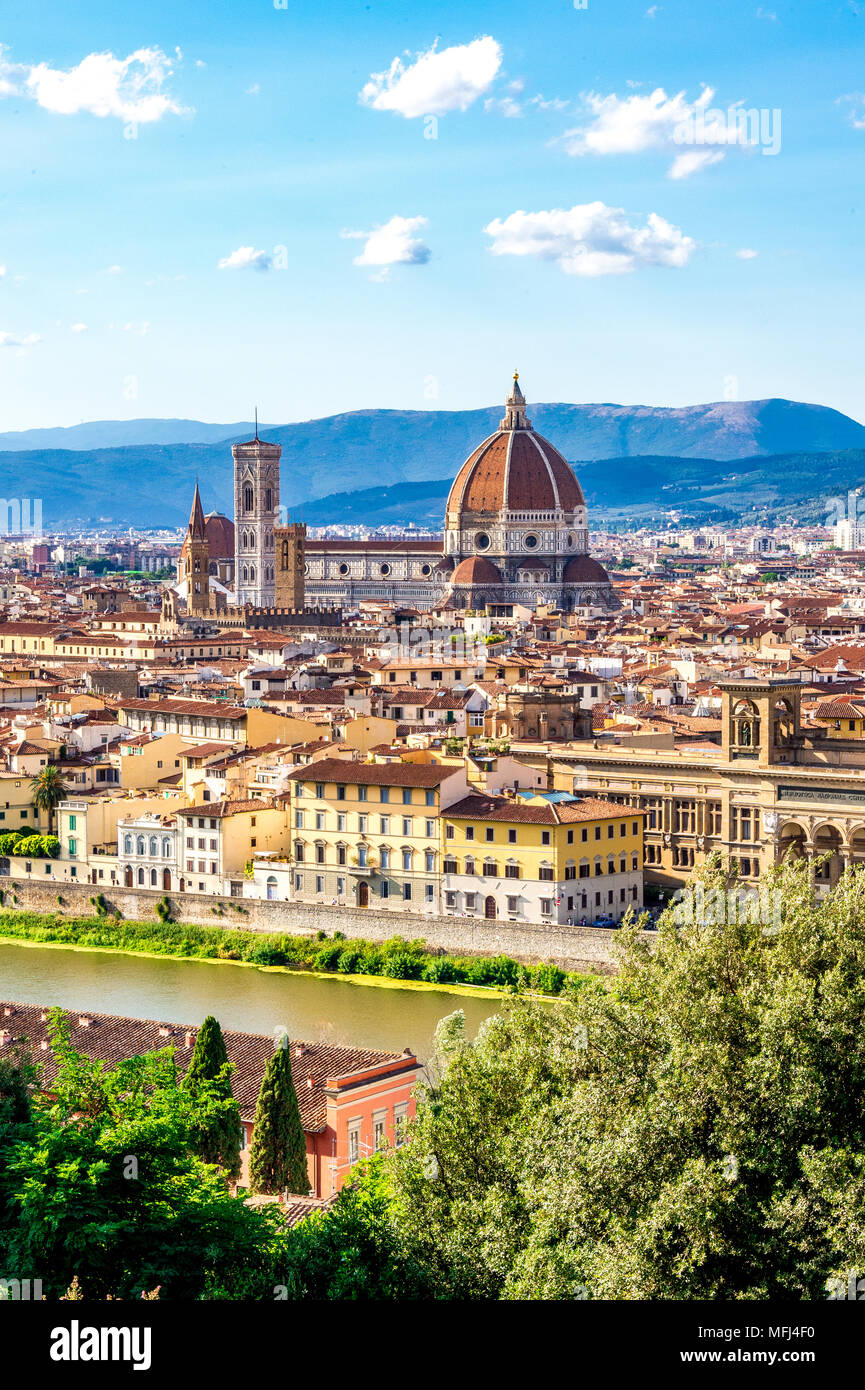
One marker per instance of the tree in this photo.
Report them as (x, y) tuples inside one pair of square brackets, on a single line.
[(219, 1133), (695, 1130), (277, 1161), (48, 790), (108, 1188)]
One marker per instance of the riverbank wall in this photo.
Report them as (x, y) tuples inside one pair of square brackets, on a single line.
[(571, 948)]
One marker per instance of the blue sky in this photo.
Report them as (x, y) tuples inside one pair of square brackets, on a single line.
[(554, 224)]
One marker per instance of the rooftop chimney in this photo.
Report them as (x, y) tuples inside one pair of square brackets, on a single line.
[(84, 1021), (310, 1081), (189, 1038), (165, 1031)]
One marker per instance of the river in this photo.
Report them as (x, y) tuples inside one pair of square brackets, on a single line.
[(313, 1008)]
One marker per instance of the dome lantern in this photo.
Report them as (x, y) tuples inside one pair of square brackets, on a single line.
[(515, 409)]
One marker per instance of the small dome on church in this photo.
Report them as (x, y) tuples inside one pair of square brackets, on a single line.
[(220, 536), (476, 570), (582, 569)]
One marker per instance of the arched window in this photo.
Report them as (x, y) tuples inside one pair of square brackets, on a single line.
[(285, 564), (153, 879), (247, 498), (127, 844), (245, 575), (166, 847), (139, 844), (154, 847), (271, 886), (141, 877)]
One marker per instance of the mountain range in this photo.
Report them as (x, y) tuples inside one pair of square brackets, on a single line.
[(723, 457)]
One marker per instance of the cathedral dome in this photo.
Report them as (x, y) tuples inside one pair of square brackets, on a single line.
[(220, 536), (516, 470), (476, 570), (582, 569)]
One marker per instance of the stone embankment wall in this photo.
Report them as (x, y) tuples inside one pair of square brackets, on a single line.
[(572, 948)]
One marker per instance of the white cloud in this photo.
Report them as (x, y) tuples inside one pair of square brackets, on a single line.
[(435, 82), (114, 270), (652, 11), (2, 271), (686, 164), (506, 106), (590, 239), (394, 243), (253, 91), (140, 329), (630, 125), (246, 258), (17, 341), (746, 254), (131, 89), (79, 327), (856, 115)]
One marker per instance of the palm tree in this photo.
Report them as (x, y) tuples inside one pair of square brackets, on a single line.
[(48, 790)]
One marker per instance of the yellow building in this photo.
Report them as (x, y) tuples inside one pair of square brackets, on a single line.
[(368, 834), (842, 718), (541, 857)]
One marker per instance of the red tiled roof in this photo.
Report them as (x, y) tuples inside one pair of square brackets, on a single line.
[(112, 1039)]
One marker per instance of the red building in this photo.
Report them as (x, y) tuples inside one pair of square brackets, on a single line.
[(352, 1100)]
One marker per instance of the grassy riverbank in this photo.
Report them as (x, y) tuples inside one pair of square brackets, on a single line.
[(389, 962)]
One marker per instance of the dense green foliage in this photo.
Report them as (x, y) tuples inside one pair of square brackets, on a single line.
[(218, 1135), (395, 959), (277, 1161), (27, 844), (101, 1182), (697, 1131)]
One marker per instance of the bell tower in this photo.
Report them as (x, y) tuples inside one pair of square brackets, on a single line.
[(196, 560), (256, 504), (290, 543)]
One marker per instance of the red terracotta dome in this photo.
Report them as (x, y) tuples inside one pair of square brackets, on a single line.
[(515, 469), (220, 536), (476, 570), (582, 569)]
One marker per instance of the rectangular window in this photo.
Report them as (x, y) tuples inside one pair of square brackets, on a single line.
[(340, 793), (470, 832), (406, 796), (361, 793), (71, 822), (471, 901), (384, 891), (512, 871), (400, 1120), (340, 887), (319, 883), (354, 1143), (430, 829), (430, 798), (429, 892), (545, 872), (545, 837), (546, 907), (450, 866), (450, 900), (512, 837), (384, 794), (362, 824), (513, 904), (406, 892), (449, 832), (489, 833), (319, 790), (379, 1129)]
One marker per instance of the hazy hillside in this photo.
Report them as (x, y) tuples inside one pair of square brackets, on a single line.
[(625, 456)]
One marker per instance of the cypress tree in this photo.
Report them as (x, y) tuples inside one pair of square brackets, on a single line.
[(218, 1136), (277, 1160)]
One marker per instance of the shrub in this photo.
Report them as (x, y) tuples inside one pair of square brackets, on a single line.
[(548, 979), (326, 957), (401, 965), (439, 971)]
